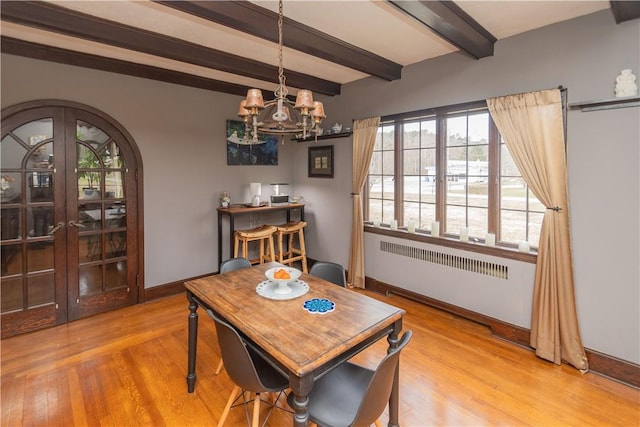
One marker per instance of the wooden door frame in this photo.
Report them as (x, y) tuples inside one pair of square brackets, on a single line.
[(136, 169)]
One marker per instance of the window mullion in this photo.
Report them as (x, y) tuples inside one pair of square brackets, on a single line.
[(494, 180), (399, 173), (441, 153)]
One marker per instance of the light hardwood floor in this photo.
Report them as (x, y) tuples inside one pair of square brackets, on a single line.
[(127, 368)]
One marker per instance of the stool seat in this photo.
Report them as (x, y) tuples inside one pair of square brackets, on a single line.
[(292, 253), (263, 235)]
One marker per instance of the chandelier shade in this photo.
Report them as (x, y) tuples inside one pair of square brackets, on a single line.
[(280, 116)]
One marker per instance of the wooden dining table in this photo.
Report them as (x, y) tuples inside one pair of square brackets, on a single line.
[(302, 344)]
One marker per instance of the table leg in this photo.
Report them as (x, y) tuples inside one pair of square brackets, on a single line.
[(219, 239), (394, 399), (301, 387), (193, 342), (232, 228)]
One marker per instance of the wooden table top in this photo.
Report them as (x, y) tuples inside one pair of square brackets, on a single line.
[(299, 340)]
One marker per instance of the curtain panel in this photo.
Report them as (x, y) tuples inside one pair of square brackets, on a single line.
[(532, 127), (364, 139)]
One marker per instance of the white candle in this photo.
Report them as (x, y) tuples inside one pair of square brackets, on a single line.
[(435, 229), (464, 234), (411, 227), (524, 246), (490, 239), (376, 223), (394, 224)]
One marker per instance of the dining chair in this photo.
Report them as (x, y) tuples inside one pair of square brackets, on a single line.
[(226, 266), (352, 395), (248, 370), (233, 264), (329, 271)]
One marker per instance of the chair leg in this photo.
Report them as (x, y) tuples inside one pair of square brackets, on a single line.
[(303, 251), (232, 397), (272, 248), (219, 368), (256, 411)]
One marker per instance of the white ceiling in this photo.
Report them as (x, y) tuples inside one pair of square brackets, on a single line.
[(375, 26)]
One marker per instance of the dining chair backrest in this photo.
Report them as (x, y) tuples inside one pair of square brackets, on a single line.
[(352, 395), (233, 264), (377, 394), (329, 271), (237, 359)]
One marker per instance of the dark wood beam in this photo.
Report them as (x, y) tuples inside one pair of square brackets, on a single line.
[(63, 56), (625, 10), (260, 22), (54, 18), (453, 24)]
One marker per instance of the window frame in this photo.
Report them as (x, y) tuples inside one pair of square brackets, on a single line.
[(447, 237)]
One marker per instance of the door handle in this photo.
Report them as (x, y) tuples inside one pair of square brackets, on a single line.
[(75, 224), (56, 228)]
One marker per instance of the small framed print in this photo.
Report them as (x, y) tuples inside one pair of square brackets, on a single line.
[(321, 162)]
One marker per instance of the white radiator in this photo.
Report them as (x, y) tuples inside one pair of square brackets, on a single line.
[(497, 287)]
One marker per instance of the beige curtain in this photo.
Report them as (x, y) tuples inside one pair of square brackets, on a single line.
[(532, 127), (364, 138)]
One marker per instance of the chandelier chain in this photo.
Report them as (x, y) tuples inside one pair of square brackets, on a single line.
[(282, 88)]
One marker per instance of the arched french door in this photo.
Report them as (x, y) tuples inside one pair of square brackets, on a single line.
[(71, 225)]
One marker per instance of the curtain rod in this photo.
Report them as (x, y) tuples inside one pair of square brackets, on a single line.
[(461, 106)]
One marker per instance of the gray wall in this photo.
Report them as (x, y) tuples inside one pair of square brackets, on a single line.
[(181, 134)]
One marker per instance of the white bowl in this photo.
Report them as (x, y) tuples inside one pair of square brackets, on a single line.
[(282, 287)]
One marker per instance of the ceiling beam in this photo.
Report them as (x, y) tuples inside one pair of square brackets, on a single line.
[(64, 56), (260, 22), (453, 24), (625, 10), (54, 18)]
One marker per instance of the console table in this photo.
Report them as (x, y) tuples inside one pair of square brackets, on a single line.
[(233, 212)]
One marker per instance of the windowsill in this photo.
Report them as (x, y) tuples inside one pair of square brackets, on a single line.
[(479, 247)]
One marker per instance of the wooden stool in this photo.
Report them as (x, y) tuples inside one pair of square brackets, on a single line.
[(263, 235), (292, 254)]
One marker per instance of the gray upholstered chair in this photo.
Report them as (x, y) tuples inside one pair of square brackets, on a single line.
[(329, 271), (233, 264), (250, 372), (226, 266), (352, 395)]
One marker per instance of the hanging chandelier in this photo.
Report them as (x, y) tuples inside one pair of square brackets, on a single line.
[(280, 116)]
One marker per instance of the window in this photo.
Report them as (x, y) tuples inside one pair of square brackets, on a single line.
[(450, 165)]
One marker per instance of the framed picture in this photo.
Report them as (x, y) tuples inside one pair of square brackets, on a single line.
[(321, 162), (241, 151)]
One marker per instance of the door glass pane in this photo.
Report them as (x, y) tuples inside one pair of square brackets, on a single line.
[(10, 224), (90, 279), (40, 256), (115, 217), (11, 294), (11, 260), (40, 187), (12, 153), (116, 244), (41, 157), (90, 133), (89, 174), (10, 187), (90, 216), (41, 289), (39, 221), (113, 185), (116, 275), (110, 155), (90, 248), (36, 131)]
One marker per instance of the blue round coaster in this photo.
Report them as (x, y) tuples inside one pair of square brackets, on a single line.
[(319, 305)]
